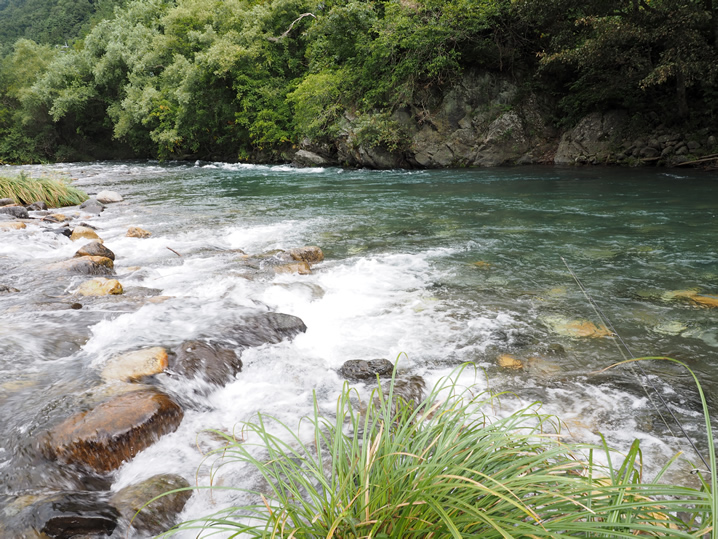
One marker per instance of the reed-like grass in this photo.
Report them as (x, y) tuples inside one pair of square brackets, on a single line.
[(445, 468), (24, 189)]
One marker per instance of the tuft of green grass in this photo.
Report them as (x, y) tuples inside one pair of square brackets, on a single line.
[(443, 468), (55, 193)]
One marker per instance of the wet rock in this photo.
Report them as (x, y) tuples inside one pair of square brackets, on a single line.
[(12, 225), (100, 287), (134, 366), (540, 367), (64, 231), (506, 361), (6, 202), (95, 248), (85, 265), (137, 232), (266, 328), (161, 514), (38, 205), (576, 328), (410, 390), (310, 254), (305, 158), (4, 289), (16, 211), (92, 205), (362, 369), (313, 291), (80, 232), (59, 217), (705, 300), (63, 515), (301, 268), (211, 363), (115, 430), (108, 197)]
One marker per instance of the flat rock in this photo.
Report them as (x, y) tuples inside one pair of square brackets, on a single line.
[(115, 430), (85, 265), (108, 197), (95, 248), (302, 268), (362, 369), (16, 211), (137, 232), (267, 328), (310, 254), (200, 359), (100, 287), (133, 366), (12, 225), (159, 515), (80, 232)]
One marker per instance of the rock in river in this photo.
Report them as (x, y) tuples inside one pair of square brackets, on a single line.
[(137, 232), (86, 265), (362, 369), (95, 248), (199, 359), (302, 268), (115, 430), (100, 287), (108, 197), (136, 365), (12, 225), (16, 211), (159, 515), (92, 205), (310, 254), (80, 232), (266, 328)]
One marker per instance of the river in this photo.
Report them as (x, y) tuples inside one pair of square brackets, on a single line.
[(435, 267)]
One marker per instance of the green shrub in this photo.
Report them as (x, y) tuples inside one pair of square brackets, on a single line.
[(442, 468), (54, 192)]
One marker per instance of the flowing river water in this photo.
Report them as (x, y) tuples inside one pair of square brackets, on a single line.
[(442, 267)]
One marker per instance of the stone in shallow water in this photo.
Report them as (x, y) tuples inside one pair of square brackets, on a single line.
[(159, 515), (310, 254), (136, 365), (362, 369), (100, 287), (199, 359), (706, 300), (137, 232), (16, 211), (576, 328), (108, 197), (85, 265), (302, 268), (95, 248), (92, 205), (80, 232), (12, 225), (507, 361), (115, 430), (266, 328)]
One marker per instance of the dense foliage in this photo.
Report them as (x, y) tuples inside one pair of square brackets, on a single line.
[(246, 79)]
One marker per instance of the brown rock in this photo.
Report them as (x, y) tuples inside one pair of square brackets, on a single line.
[(86, 265), (159, 515), (310, 254), (80, 232), (507, 361), (95, 248), (10, 225), (198, 359), (706, 300), (59, 217), (135, 365), (302, 268), (137, 232), (115, 431), (361, 369), (100, 287)]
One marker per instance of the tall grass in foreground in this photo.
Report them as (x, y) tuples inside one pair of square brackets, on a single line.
[(55, 193), (445, 468)]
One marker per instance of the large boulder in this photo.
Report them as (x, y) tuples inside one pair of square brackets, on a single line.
[(95, 248), (100, 287), (204, 360), (85, 265), (108, 197), (114, 431), (362, 369), (134, 366), (159, 515), (16, 211), (266, 328)]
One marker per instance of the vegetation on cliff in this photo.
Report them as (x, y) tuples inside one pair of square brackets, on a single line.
[(241, 79)]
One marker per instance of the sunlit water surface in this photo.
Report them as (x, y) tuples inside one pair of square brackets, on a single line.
[(442, 267)]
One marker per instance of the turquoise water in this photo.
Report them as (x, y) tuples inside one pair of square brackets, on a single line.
[(442, 267)]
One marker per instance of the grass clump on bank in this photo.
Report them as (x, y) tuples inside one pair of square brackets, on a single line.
[(444, 468), (25, 190)]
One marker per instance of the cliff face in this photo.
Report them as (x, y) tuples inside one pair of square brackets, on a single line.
[(483, 121)]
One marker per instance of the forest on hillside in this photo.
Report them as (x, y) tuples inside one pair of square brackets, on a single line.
[(250, 79)]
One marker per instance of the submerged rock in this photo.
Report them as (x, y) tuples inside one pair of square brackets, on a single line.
[(16, 211), (161, 514), (302, 268), (266, 328), (86, 265), (100, 287), (137, 232), (12, 225), (136, 365), (108, 197), (576, 328), (310, 254), (80, 232), (211, 363), (115, 430), (706, 300), (507, 361), (362, 369), (95, 248)]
